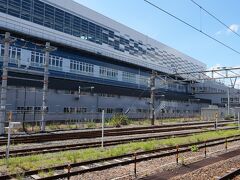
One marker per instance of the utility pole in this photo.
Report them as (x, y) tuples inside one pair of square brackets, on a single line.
[(47, 51), (152, 98), (228, 101), (7, 40), (103, 126)]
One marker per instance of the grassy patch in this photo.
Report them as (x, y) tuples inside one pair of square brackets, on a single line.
[(118, 120), (18, 164), (42, 174), (231, 124)]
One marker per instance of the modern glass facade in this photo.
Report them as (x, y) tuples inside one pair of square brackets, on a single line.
[(47, 15), (120, 64), (70, 66)]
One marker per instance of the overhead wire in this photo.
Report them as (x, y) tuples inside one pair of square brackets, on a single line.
[(214, 17), (191, 26)]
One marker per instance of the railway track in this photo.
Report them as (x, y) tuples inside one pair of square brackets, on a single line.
[(231, 175), (110, 162), (57, 148), (58, 136)]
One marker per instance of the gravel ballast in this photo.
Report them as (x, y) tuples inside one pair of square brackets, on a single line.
[(154, 166)]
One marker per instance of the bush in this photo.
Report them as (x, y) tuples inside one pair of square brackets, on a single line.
[(118, 119), (91, 125), (194, 148)]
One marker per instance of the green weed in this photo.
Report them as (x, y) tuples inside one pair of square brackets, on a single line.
[(33, 162)]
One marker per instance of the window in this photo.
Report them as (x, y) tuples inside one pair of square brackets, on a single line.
[(100, 110), (41, 13), (84, 29), (14, 53), (98, 34), (14, 7), (2, 51), (59, 16), (26, 10), (18, 53), (69, 110), (143, 80), (106, 110), (38, 12), (105, 36), (68, 23), (3, 6), (81, 67), (72, 110), (109, 110), (91, 32), (76, 27), (81, 110), (108, 72), (30, 109), (129, 77), (49, 16), (38, 60)]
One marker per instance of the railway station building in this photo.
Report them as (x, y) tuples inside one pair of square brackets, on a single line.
[(97, 64)]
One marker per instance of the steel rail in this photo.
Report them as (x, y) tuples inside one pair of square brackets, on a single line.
[(52, 149), (230, 175), (95, 134), (135, 128), (142, 156)]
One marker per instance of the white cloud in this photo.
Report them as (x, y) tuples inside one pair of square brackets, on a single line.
[(234, 28)]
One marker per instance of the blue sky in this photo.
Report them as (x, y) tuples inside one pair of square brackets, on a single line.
[(142, 17)]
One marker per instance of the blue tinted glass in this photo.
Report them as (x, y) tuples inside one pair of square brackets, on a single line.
[(76, 27), (49, 16), (14, 7), (3, 6), (68, 23), (59, 16), (26, 11), (38, 12)]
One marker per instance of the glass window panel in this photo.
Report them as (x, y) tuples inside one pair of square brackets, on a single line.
[(41, 60), (53, 61), (59, 16), (13, 55), (76, 27), (60, 63), (3, 6), (111, 34), (105, 38), (49, 16), (84, 26), (14, 8), (2, 51), (57, 62), (18, 53), (26, 10), (68, 23), (38, 12), (37, 58)]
